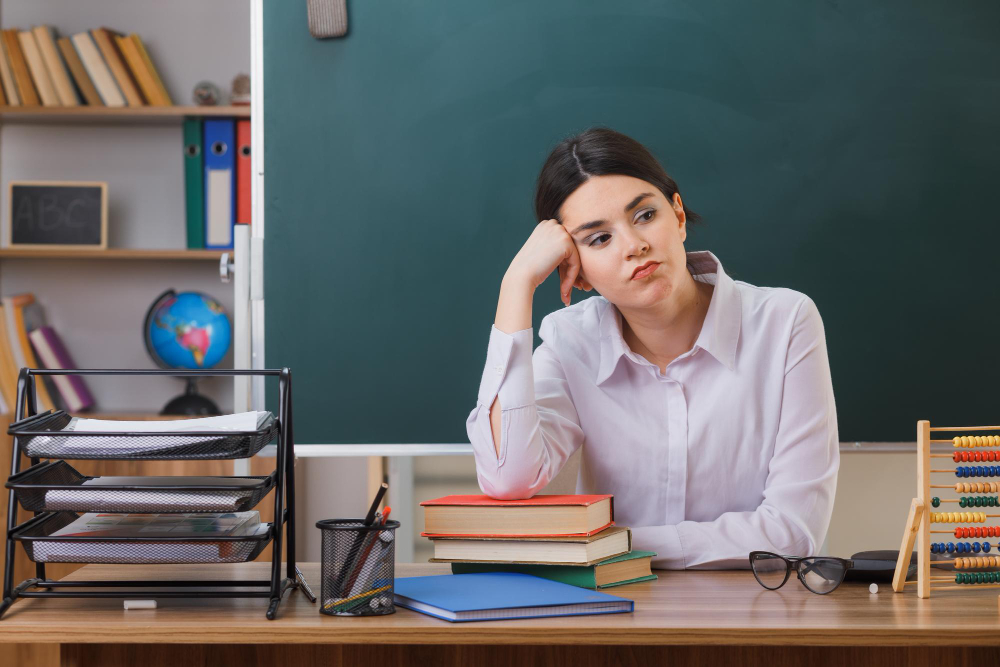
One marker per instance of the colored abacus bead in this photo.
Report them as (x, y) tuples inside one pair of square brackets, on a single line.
[(935, 501), (951, 547)]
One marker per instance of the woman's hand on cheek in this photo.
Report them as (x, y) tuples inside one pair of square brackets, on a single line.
[(549, 247)]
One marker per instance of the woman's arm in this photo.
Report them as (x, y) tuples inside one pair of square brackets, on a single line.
[(794, 514), (542, 425), (513, 314)]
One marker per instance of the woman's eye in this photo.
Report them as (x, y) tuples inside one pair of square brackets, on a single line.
[(646, 216), (594, 242)]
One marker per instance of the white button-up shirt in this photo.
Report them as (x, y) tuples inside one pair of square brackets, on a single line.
[(734, 448)]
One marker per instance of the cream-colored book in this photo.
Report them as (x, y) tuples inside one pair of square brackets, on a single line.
[(54, 64), (39, 73), (612, 541), (98, 70)]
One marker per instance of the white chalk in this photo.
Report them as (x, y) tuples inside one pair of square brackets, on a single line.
[(873, 588), (140, 604)]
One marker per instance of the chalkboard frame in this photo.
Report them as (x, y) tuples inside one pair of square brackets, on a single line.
[(9, 235)]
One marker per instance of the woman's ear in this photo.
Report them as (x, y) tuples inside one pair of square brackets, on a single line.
[(678, 206)]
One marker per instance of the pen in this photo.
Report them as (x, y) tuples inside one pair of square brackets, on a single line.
[(380, 519), (350, 571), (378, 498), (372, 539)]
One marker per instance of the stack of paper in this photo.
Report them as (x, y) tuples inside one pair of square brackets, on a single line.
[(102, 445)]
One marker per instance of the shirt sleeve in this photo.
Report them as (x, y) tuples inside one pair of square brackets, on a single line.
[(539, 426), (794, 514)]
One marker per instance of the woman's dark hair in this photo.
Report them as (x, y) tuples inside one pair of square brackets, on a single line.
[(598, 151)]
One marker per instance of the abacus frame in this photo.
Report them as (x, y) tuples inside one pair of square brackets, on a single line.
[(918, 522)]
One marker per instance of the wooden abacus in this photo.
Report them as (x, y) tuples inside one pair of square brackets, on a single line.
[(979, 568)]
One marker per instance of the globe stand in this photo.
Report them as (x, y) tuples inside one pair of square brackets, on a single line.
[(191, 403)]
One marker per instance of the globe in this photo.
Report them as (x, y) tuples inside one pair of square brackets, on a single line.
[(188, 330)]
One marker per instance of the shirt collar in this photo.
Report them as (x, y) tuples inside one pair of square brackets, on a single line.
[(719, 333)]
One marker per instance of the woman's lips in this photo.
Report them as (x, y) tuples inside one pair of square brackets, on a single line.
[(645, 270)]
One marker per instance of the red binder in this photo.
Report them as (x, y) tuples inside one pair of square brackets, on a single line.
[(243, 172)]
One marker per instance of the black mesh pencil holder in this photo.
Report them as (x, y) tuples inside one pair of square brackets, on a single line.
[(358, 567)]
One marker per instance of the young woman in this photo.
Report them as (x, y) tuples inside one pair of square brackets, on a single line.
[(703, 404)]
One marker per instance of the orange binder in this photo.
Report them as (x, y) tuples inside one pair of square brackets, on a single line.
[(243, 172)]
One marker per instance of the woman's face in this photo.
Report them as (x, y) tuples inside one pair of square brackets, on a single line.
[(619, 224)]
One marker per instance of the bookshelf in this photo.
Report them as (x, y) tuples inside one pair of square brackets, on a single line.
[(112, 253), (138, 151), (97, 300), (112, 116)]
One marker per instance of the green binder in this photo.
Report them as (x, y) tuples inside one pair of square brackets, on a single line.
[(194, 183), (584, 576)]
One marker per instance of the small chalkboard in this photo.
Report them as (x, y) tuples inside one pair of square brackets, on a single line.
[(58, 215)]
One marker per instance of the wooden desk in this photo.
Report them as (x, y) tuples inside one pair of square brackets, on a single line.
[(700, 618)]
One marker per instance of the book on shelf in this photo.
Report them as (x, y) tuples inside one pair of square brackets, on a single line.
[(8, 367), (105, 40), (143, 78), (142, 69), (164, 96), (36, 66), (19, 67), (628, 568), (53, 354), (98, 70), (542, 515), (7, 76), (21, 314), (582, 550), (80, 77), (45, 37), (100, 67)]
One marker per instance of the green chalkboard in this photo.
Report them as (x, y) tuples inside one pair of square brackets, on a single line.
[(845, 149)]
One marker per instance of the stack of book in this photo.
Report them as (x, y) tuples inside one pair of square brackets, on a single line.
[(567, 538), (27, 341), (100, 68)]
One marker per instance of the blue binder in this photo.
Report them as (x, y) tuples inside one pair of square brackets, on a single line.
[(501, 595), (220, 182)]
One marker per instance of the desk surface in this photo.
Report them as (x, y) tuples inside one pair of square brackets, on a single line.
[(679, 608)]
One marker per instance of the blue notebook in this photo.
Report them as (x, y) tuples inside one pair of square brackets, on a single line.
[(501, 595)]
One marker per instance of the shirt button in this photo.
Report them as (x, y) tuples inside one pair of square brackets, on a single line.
[(499, 370)]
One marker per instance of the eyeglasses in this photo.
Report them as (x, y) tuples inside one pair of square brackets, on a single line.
[(819, 574)]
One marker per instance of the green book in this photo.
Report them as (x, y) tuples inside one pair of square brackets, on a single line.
[(194, 183), (616, 571)]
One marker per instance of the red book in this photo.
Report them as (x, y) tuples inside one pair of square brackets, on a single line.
[(541, 516), (243, 172)]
